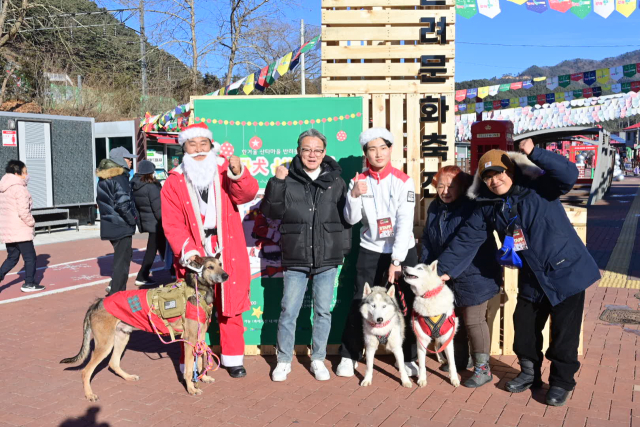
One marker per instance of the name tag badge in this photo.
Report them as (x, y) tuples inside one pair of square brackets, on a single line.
[(385, 228), (519, 242)]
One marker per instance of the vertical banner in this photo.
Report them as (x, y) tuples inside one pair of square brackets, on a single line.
[(626, 7), (581, 8), (552, 83), (483, 92), (461, 95), (466, 8), (589, 77), (560, 5), (489, 8), (263, 132), (602, 75), (616, 73), (565, 80), (538, 6)]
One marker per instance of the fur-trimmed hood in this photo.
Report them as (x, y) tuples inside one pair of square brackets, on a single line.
[(109, 169), (526, 170)]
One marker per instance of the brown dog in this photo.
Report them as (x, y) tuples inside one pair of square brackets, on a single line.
[(110, 332)]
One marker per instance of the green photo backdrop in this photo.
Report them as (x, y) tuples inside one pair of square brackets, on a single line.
[(263, 132)]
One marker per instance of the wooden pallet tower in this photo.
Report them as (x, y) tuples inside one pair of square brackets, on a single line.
[(399, 56)]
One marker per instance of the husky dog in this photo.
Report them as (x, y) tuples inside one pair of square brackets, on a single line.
[(383, 324), (433, 317)]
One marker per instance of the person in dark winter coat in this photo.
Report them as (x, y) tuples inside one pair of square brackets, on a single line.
[(518, 196), (117, 219), (146, 194), (477, 284), (309, 200)]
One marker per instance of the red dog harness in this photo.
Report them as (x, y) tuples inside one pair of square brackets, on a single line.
[(437, 326)]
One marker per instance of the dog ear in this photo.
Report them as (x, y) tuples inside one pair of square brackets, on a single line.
[(197, 262), (392, 291), (434, 266), (218, 255), (367, 290)]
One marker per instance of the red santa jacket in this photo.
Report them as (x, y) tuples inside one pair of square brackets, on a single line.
[(181, 224)]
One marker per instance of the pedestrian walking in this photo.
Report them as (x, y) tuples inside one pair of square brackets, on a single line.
[(477, 284), (383, 199), (17, 227), (308, 199), (518, 196), (146, 194), (117, 213)]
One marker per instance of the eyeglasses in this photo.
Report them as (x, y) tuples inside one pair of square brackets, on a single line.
[(487, 179), (307, 151)]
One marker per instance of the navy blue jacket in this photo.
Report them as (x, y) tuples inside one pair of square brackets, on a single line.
[(482, 279), (557, 263), (115, 201)]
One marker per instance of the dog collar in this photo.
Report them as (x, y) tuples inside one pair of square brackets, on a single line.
[(432, 293), (381, 325)]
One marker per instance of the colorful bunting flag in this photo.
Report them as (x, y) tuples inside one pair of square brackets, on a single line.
[(261, 83), (550, 98), (560, 5), (532, 100), (568, 96), (514, 103), (597, 91), (461, 95), (602, 75), (616, 73), (565, 80), (626, 87), (472, 93), (483, 92), (581, 8), (527, 84), (520, 2), (466, 8), (626, 7), (629, 70), (462, 107), (560, 97), (504, 103), (310, 45), (523, 101), (283, 65), (604, 8), (552, 83), (479, 107), (577, 93), (496, 105), (488, 106), (235, 87), (493, 90), (587, 92), (471, 108), (489, 8), (269, 78), (516, 86), (249, 84), (577, 77), (541, 99), (539, 79), (538, 6), (635, 86), (589, 77), (504, 87), (616, 88)]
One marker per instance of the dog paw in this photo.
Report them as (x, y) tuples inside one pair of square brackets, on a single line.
[(407, 384), (195, 392), (455, 382), (92, 397), (132, 378), (207, 379), (422, 382), (365, 382)]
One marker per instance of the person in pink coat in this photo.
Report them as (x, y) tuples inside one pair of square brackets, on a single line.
[(17, 228), (200, 217)]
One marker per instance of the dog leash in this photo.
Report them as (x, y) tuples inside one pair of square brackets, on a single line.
[(401, 296)]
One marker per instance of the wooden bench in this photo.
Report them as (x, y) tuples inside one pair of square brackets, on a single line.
[(69, 222)]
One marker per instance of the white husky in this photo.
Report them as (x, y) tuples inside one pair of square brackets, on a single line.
[(383, 323), (433, 317)]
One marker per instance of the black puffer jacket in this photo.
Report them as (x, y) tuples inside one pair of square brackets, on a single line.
[(115, 201), (147, 198), (314, 232)]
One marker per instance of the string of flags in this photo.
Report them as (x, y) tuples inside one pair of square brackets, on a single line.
[(557, 114), (178, 117), (307, 121), (602, 76), (548, 98), (580, 8)]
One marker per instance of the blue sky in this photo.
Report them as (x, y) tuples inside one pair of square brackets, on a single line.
[(517, 25)]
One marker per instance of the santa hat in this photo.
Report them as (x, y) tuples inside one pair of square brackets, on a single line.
[(198, 130), (194, 131), (375, 133)]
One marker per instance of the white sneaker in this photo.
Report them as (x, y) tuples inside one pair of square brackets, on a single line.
[(346, 367), (320, 370), (411, 368), (281, 371)]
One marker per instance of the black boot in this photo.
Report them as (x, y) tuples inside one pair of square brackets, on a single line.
[(482, 372), (530, 376), (557, 396)]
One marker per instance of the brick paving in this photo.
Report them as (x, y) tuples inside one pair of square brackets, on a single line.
[(38, 391)]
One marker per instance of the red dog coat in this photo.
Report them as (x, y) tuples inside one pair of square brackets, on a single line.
[(436, 327)]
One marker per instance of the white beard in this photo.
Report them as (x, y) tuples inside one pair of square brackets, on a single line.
[(200, 172)]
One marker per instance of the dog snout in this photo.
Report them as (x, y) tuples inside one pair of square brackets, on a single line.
[(379, 319), (224, 276)]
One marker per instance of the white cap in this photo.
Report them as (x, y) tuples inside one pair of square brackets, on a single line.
[(375, 133)]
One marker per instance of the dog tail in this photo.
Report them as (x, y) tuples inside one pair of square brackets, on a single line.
[(86, 337)]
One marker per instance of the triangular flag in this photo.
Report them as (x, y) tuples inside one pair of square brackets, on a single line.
[(552, 83), (539, 79), (577, 77), (516, 85), (256, 79), (616, 88), (538, 6), (235, 86), (479, 107), (261, 81), (472, 93), (471, 108), (310, 45), (493, 90), (604, 8), (249, 84), (565, 80), (560, 5), (514, 103), (461, 95), (629, 70), (527, 84), (466, 8), (269, 79), (504, 87), (489, 8), (602, 75), (283, 65), (559, 96), (568, 96), (589, 77), (483, 92), (616, 73), (581, 8), (626, 7), (523, 101)]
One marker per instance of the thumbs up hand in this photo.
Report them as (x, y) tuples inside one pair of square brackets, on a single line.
[(359, 188)]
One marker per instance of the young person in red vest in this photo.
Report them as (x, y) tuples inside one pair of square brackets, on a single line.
[(200, 218)]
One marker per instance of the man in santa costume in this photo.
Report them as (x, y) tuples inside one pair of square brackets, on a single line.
[(200, 216)]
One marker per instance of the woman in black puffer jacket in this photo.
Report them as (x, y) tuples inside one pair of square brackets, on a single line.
[(480, 281), (146, 193)]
